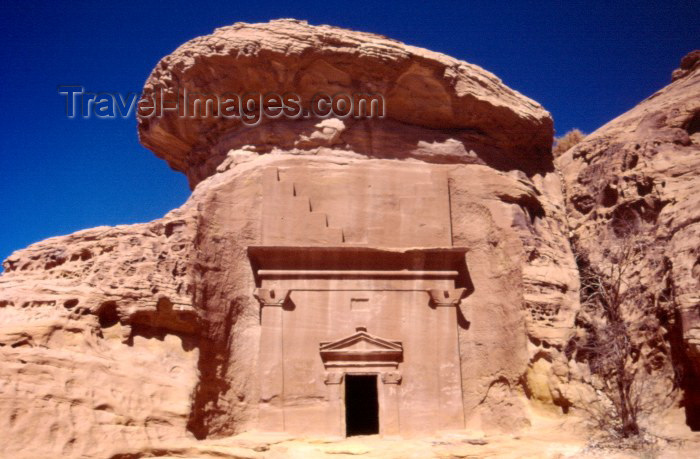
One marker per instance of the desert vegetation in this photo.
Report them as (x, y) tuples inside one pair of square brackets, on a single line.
[(568, 140), (620, 337)]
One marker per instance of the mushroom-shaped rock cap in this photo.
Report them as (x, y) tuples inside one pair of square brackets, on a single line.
[(428, 97)]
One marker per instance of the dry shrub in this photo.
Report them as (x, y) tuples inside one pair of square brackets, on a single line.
[(568, 140), (618, 328)]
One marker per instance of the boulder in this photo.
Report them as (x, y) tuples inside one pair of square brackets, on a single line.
[(438, 108)]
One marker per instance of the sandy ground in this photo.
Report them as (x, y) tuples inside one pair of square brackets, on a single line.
[(545, 439)]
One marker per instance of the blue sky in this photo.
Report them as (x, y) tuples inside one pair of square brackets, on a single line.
[(585, 62)]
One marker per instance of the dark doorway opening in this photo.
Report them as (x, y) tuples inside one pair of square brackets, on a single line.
[(361, 405)]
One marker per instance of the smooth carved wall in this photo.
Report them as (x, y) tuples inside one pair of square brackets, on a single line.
[(356, 205), (303, 394), (318, 286)]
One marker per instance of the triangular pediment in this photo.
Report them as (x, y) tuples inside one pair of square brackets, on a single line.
[(362, 341), (361, 348)]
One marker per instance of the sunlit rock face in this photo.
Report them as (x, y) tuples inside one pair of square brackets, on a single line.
[(438, 108), (427, 250), (639, 173)]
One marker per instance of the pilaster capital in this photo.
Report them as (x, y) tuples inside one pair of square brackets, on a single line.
[(446, 298), (334, 377), (271, 296), (391, 377)]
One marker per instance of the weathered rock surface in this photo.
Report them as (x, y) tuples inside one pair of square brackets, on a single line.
[(144, 340), (118, 300), (98, 341), (689, 62), (437, 108), (640, 172)]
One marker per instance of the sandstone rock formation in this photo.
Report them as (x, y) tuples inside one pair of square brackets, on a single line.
[(639, 173), (438, 108), (689, 62), (116, 342), (98, 339)]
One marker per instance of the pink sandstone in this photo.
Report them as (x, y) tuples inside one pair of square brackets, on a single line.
[(428, 251)]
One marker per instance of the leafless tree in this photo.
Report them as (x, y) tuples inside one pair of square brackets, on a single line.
[(613, 313)]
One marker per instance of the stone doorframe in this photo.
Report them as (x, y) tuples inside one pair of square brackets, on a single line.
[(364, 354)]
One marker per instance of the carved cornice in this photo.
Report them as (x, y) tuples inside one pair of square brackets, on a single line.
[(446, 297)]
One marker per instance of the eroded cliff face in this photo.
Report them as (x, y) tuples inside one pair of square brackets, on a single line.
[(638, 174), (149, 333), (99, 341)]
